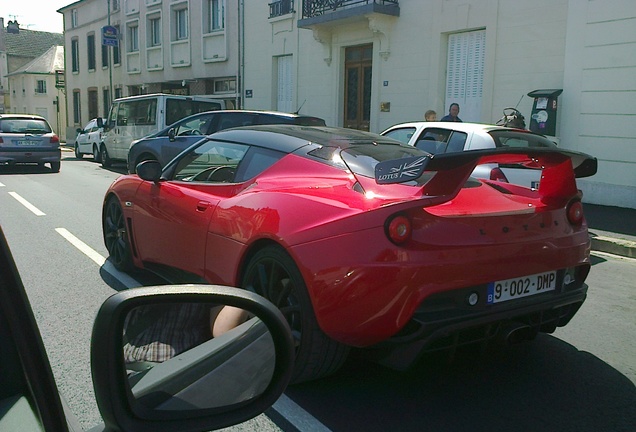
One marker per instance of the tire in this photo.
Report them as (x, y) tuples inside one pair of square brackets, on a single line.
[(104, 158), (78, 155), (272, 273), (116, 239), (97, 157), (55, 166)]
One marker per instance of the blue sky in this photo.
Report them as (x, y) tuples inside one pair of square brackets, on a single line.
[(35, 14)]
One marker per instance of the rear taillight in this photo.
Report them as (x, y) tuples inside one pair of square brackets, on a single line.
[(1, 141), (498, 175), (55, 139), (575, 212), (399, 229)]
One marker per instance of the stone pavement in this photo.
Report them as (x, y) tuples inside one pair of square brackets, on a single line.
[(613, 229)]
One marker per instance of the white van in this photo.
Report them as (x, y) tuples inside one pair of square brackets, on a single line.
[(134, 117)]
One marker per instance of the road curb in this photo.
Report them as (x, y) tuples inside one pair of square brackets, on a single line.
[(614, 246)]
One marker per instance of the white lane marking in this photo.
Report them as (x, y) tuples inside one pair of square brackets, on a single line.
[(284, 406), (83, 247), (27, 204), (128, 281), (301, 419), (1, 185)]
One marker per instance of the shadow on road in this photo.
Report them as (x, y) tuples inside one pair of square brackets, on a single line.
[(544, 385)]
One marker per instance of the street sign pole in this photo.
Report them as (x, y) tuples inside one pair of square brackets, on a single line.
[(110, 64)]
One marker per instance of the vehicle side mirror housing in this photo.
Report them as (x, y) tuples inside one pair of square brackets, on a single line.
[(79, 130), (149, 170), (202, 388), (171, 134)]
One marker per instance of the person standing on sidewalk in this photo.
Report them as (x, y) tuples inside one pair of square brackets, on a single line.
[(453, 112)]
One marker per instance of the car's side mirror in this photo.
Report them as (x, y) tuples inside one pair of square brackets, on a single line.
[(79, 130), (149, 170), (100, 122), (171, 134), (147, 376)]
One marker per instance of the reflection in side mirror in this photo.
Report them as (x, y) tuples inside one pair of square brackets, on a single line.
[(188, 356), (149, 170), (229, 359), (171, 134)]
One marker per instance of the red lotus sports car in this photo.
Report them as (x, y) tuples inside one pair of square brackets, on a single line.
[(360, 240)]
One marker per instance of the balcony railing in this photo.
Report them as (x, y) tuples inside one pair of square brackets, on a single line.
[(281, 7), (315, 8)]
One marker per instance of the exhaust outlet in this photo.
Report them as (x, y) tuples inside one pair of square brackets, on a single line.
[(516, 332)]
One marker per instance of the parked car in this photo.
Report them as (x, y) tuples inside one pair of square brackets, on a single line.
[(361, 240), (169, 142), (134, 117), (28, 139), (219, 383), (444, 137), (89, 139)]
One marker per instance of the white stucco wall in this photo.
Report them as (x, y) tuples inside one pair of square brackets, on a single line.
[(600, 81), (585, 47)]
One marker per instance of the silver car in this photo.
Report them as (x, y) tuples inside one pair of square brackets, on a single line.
[(28, 139), (446, 137)]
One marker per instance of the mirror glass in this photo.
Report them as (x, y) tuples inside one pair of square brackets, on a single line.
[(193, 356)]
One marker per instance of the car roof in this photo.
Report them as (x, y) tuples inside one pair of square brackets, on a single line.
[(22, 116), (269, 136), (458, 126)]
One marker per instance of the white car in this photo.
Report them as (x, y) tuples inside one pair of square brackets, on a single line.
[(446, 137), (89, 140)]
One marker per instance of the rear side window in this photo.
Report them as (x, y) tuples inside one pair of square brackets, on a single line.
[(434, 141), (138, 112), (256, 161), (23, 125), (516, 139), (176, 109), (402, 134)]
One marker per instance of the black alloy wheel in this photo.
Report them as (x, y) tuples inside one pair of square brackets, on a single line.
[(273, 274), (116, 236)]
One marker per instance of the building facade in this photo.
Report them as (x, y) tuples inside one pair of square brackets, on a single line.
[(369, 64), (35, 89), (372, 64), (187, 47), (19, 47)]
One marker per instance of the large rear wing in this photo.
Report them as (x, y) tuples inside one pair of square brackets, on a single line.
[(559, 168)]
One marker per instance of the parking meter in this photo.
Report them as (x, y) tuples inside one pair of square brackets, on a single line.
[(544, 111)]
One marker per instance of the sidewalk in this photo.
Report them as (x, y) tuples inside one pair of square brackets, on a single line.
[(613, 229)]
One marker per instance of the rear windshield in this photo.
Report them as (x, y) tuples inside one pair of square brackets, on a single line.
[(24, 125), (512, 138), (362, 159)]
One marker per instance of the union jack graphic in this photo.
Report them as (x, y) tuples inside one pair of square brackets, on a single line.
[(408, 169)]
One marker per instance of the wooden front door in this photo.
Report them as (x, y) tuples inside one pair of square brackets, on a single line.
[(358, 70)]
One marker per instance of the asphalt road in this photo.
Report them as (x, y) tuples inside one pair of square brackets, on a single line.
[(582, 378)]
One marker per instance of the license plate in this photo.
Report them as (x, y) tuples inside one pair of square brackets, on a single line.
[(28, 143), (523, 286)]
